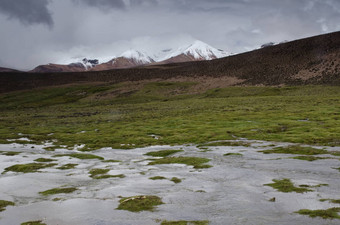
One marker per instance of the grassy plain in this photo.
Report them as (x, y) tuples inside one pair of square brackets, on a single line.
[(128, 115)]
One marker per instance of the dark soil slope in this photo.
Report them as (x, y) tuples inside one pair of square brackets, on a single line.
[(314, 60)]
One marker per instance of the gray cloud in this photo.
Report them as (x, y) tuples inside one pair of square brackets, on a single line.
[(81, 29), (103, 4), (27, 12)]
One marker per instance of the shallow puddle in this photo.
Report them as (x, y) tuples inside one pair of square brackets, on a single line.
[(230, 192)]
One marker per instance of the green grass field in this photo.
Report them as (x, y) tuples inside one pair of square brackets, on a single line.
[(123, 116)]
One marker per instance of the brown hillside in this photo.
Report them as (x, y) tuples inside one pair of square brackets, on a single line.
[(314, 60), (3, 69)]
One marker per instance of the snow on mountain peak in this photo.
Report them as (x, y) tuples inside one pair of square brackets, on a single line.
[(138, 56), (199, 50)]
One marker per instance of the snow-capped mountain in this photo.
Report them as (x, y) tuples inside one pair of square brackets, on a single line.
[(137, 56), (80, 66), (128, 59), (196, 51), (199, 51)]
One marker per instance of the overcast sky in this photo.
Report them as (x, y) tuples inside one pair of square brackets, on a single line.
[(34, 32)]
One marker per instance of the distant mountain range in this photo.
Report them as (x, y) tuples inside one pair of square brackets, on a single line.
[(314, 60), (197, 51)]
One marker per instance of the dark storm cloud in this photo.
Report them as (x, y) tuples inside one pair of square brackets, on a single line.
[(27, 11)]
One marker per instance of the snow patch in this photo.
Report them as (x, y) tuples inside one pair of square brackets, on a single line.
[(138, 56)]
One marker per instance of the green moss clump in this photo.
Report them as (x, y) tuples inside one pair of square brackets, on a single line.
[(55, 191), (81, 156), (296, 149), (157, 178), (198, 163), (163, 153), (10, 153), (28, 168), (95, 172), (67, 166), (335, 201), (37, 222), (139, 203), (4, 204), (337, 169), (176, 180), (102, 174), (308, 157), (285, 185), (44, 160), (233, 154), (51, 148), (105, 176), (229, 143), (331, 213), (183, 222), (111, 161)]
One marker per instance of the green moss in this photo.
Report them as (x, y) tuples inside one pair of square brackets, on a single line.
[(157, 178), (139, 203), (335, 201), (337, 169), (163, 153), (80, 156), (233, 154), (37, 222), (183, 118), (176, 180), (335, 153), (331, 213), (229, 143), (285, 185), (4, 204), (198, 163), (10, 153), (55, 191), (183, 222), (308, 157), (95, 172), (106, 176), (51, 148), (111, 161), (44, 160), (296, 149), (102, 174), (28, 168), (67, 166)]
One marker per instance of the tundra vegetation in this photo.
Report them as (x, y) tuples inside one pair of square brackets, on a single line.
[(139, 203), (37, 222), (183, 222), (55, 191), (196, 162), (29, 167), (285, 185), (4, 204), (331, 213), (126, 115)]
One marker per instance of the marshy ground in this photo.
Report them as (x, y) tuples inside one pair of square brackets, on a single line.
[(74, 154), (246, 188)]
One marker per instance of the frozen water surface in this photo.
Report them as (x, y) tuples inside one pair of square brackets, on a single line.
[(231, 192)]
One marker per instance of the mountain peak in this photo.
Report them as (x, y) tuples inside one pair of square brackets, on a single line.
[(138, 56), (198, 50)]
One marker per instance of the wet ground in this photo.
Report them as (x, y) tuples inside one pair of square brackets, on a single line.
[(231, 192)]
